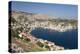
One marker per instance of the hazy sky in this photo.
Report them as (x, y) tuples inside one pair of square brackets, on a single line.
[(58, 10)]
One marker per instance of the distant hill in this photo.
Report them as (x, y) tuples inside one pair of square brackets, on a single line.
[(42, 20)]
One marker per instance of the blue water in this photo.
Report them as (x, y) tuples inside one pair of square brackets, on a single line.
[(68, 39)]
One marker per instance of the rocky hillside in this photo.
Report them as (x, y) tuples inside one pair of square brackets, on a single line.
[(32, 21)]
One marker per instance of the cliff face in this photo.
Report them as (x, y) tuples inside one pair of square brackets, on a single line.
[(30, 21)]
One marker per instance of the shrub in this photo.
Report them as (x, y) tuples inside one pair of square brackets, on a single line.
[(40, 44)]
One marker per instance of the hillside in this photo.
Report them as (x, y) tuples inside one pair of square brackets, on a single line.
[(39, 20)]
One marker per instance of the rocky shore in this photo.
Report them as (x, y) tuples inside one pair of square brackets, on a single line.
[(18, 44)]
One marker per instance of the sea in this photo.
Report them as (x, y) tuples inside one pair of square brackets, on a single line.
[(67, 39)]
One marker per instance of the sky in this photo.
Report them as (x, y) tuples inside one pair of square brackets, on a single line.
[(55, 10)]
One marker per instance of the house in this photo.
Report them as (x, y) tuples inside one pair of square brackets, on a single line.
[(22, 34)]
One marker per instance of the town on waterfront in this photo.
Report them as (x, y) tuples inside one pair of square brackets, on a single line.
[(35, 27)]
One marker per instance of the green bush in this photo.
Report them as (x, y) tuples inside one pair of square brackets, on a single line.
[(40, 44)]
